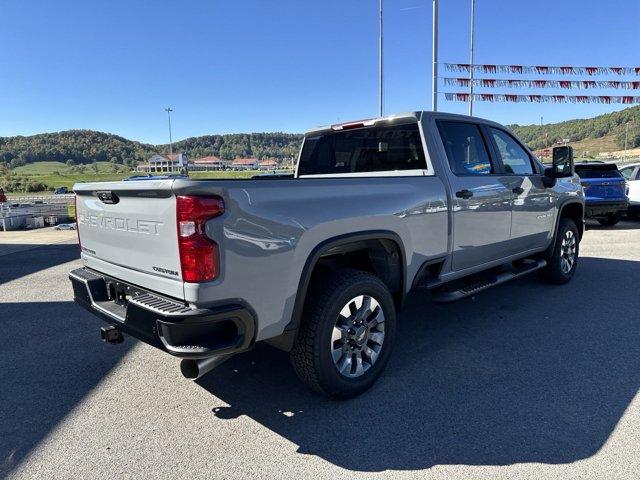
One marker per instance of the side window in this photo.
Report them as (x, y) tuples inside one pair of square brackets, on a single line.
[(515, 159), (465, 148), (627, 172)]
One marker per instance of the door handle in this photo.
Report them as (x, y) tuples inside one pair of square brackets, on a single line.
[(518, 190), (464, 194)]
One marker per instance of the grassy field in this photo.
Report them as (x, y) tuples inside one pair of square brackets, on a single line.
[(595, 145), (56, 174), (44, 168)]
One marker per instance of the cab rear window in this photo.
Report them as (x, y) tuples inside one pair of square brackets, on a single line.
[(369, 149)]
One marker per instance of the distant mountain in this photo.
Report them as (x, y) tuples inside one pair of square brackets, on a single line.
[(87, 146), (602, 133)]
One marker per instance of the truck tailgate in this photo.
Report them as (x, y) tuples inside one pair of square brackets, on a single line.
[(128, 230)]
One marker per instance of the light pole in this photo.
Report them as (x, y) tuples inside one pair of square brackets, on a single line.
[(434, 55), (626, 134), (169, 110), (473, 14), (380, 64)]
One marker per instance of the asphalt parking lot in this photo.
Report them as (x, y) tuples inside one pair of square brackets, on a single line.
[(526, 381)]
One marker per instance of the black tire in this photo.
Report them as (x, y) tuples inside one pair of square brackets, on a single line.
[(556, 270), (610, 220), (311, 355)]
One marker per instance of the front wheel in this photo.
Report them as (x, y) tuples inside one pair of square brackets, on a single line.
[(563, 258), (610, 220), (346, 334)]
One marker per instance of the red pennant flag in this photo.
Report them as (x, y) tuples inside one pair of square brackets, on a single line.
[(618, 70), (565, 84), (566, 70), (605, 98), (539, 83), (516, 68), (541, 69), (535, 98), (591, 70), (511, 98), (637, 70), (627, 99), (489, 68), (487, 97), (635, 85)]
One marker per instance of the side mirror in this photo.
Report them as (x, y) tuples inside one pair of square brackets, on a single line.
[(563, 161), (562, 165)]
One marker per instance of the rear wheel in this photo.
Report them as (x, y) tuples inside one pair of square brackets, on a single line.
[(563, 258), (610, 220), (346, 334)]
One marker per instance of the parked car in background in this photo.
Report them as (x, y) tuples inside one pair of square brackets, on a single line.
[(61, 191), (65, 226), (604, 191), (631, 173)]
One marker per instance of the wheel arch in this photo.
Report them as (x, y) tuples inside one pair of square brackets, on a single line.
[(344, 245), (574, 211)]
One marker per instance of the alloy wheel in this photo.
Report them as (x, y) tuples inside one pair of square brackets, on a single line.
[(568, 251), (358, 336)]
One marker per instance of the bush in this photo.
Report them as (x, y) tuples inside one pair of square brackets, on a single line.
[(35, 187)]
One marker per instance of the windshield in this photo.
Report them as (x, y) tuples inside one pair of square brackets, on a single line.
[(369, 149)]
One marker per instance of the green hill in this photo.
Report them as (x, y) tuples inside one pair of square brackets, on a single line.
[(84, 147), (598, 134), (87, 146)]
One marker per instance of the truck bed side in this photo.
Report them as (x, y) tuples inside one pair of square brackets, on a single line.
[(271, 227)]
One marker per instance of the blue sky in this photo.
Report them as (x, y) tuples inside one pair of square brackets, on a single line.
[(249, 65)]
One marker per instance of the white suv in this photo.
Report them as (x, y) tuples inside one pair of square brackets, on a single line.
[(631, 174)]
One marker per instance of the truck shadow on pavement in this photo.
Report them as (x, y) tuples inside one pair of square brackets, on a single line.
[(525, 372), (36, 258), (51, 358)]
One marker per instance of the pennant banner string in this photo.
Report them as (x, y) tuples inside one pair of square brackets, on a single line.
[(512, 83), (505, 97), (541, 69)]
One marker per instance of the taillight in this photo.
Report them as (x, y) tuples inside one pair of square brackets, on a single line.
[(199, 257)]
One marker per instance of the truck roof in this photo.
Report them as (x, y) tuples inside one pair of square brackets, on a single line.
[(404, 116)]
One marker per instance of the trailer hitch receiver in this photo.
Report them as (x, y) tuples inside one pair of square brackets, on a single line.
[(111, 334)]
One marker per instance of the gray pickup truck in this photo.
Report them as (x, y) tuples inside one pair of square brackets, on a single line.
[(319, 263)]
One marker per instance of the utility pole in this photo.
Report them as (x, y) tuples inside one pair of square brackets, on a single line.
[(380, 64), (434, 55), (626, 135), (169, 110), (473, 14)]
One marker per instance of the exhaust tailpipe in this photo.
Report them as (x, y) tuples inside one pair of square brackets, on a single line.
[(194, 369)]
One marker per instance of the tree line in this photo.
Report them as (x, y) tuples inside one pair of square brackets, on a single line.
[(537, 136), (87, 146)]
